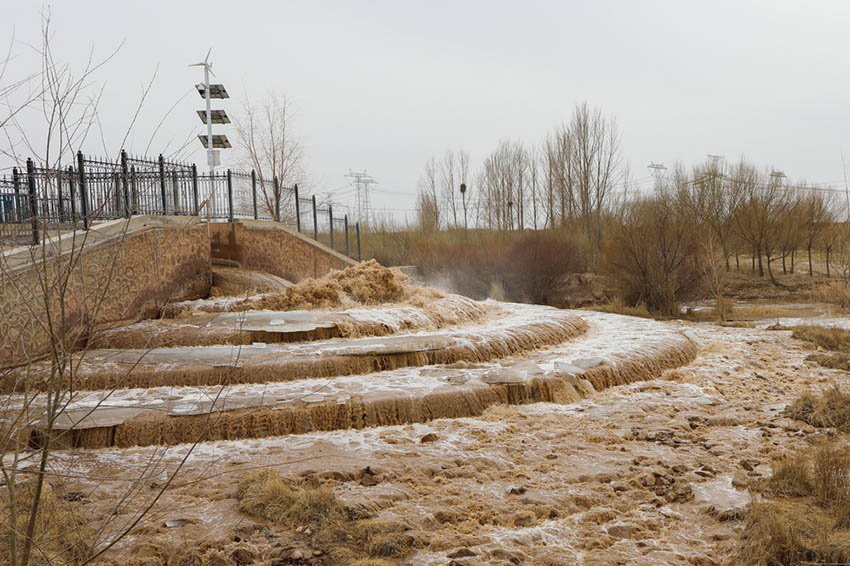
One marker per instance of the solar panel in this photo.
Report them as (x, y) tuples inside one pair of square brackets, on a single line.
[(219, 141), (216, 116), (216, 91)]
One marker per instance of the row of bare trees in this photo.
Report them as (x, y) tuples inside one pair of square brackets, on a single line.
[(575, 181), (569, 179)]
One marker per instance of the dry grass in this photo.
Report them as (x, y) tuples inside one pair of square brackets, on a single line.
[(61, 535), (352, 541), (833, 292), (833, 339), (832, 409), (809, 519), (618, 306), (266, 495), (831, 361)]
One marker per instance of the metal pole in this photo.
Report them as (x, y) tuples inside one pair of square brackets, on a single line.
[(297, 210), (19, 207), (60, 208), (315, 221), (32, 199), (357, 229), (175, 188), (276, 200), (210, 150), (73, 193), (254, 191), (84, 197), (346, 236), (195, 189), (331, 219), (162, 185), (126, 182), (134, 187), (229, 196)]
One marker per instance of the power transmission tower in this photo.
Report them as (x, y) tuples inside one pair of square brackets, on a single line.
[(657, 170), (362, 202)]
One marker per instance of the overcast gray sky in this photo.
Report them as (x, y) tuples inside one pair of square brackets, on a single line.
[(383, 85)]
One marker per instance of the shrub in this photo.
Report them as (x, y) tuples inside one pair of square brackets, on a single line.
[(809, 520), (655, 256), (832, 409)]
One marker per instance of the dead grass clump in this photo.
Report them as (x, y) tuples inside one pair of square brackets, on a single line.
[(265, 494), (355, 542), (831, 409), (618, 306), (382, 538), (366, 283), (831, 361), (834, 292), (61, 535), (810, 519), (834, 339), (791, 532)]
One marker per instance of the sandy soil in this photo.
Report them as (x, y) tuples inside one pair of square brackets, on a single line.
[(654, 472)]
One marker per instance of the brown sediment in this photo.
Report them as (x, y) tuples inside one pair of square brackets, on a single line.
[(189, 331), (367, 283), (95, 374), (464, 401)]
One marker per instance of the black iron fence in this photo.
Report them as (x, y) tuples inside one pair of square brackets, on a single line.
[(37, 198)]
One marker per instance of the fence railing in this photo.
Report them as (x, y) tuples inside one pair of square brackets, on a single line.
[(37, 198)]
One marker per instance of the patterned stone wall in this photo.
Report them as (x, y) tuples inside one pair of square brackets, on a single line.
[(72, 288), (271, 248)]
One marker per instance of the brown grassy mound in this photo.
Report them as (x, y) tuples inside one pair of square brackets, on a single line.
[(833, 339), (831, 361), (366, 283), (809, 519), (832, 409), (62, 537), (351, 540)]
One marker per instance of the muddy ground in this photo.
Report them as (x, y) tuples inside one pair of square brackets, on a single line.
[(655, 472)]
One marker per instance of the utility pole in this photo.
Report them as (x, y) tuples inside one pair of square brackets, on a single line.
[(209, 117), (363, 203)]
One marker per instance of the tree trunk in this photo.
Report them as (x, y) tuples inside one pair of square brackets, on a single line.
[(827, 261), (809, 249), (784, 269), (761, 265)]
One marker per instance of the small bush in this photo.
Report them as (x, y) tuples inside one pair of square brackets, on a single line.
[(834, 292), (265, 494), (834, 339), (354, 542), (61, 536), (832, 409), (809, 520)]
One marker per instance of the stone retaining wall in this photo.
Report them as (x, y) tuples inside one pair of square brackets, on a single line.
[(118, 271), (269, 247)]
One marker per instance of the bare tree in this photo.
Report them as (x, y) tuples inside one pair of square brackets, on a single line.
[(817, 217), (428, 197), (265, 136)]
